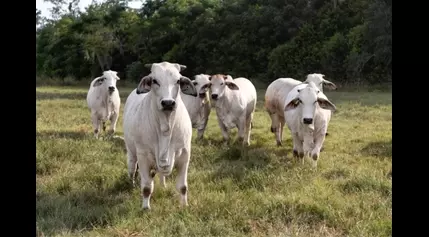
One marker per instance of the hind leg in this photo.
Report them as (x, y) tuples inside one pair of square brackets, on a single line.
[(282, 125)]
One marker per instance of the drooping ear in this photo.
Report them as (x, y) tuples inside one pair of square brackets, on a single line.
[(329, 85), (293, 104), (144, 85), (98, 81), (231, 85), (205, 87), (187, 86), (326, 104)]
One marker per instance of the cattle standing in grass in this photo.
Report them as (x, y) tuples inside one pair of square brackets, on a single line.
[(235, 102), (158, 129), (199, 108), (307, 113), (104, 101), (276, 94)]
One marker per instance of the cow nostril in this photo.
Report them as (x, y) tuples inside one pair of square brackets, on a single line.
[(173, 103), (214, 96)]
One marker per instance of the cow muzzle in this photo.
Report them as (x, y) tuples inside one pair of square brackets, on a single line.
[(168, 105)]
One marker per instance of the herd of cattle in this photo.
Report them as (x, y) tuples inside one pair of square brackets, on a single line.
[(160, 113)]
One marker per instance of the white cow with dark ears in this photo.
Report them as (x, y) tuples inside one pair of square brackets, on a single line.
[(199, 108), (276, 94), (235, 102), (307, 113), (104, 101), (158, 129)]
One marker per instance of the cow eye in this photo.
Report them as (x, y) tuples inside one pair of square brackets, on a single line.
[(178, 81), (221, 84), (154, 81)]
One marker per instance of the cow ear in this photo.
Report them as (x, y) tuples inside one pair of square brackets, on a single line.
[(326, 104), (98, 81), (188, 87), (144, 85), (293, 104), (329, 84), (231, 85)]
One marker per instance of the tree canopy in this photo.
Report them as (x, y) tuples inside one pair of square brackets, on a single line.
[(349, 41)]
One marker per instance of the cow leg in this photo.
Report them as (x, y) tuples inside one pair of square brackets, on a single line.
[(162, 180), (298, 150), (315, 153), (246, 141), (132, 165), (242, 123), (201, 129), (282, 125), (182, 176), (224, 130), (113, 121), (95, 124), (146, 177)]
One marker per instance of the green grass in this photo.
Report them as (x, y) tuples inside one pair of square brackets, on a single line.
[(83, 190)]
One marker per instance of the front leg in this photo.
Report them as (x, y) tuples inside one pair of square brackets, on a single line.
[(162, 180), (308, 144), (241, 127), (113, 120), (224, 130), (298, 151), (182, 176), (95, 124), (201, 128), (146, 178), (248, 127), (318, 143)]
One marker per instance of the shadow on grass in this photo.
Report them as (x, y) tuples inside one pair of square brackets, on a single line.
[(245, 166), (379, 149), (56, 213), (71, 95)]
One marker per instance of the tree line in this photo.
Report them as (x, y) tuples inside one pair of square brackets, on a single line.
[(350, 41)]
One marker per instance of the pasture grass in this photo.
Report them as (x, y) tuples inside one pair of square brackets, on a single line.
[(83, 189)]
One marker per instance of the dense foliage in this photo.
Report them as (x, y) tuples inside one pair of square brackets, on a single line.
[(350, 41)]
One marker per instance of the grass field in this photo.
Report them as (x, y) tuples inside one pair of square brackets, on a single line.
[(83, 190)]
